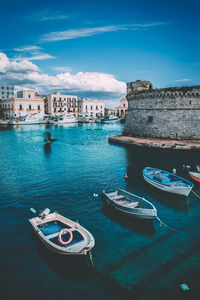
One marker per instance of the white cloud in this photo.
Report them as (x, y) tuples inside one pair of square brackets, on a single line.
[(83, 32), (62, 69), (30, 48), (47, 15), (88, 83), (24, 66), (31, 52), (48, 18), (183, 80), (39, 56)]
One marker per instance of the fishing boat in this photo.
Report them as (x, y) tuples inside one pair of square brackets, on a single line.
[(28, 120), (62, 235), (63, 119), (110, 119), (167, 182), (130, 204), (195, 176)]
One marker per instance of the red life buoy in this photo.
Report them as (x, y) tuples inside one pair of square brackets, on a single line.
[(60, 236)]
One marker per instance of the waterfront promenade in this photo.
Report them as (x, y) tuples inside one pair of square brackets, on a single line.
[(155, 143)]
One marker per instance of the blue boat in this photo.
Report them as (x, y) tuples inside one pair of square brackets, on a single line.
[(167, 182)]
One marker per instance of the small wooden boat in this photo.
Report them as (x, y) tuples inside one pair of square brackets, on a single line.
[(167, 182), (130, 204), (195, 176), (61, 235)]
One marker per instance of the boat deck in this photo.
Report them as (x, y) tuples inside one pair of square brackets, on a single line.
[(51, 230)]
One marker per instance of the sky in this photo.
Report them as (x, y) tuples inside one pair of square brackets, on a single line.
[(93, 48)]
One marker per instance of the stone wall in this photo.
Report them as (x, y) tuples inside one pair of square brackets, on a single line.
[(165, 113)]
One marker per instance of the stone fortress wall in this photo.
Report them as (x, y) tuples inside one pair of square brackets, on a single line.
[(172, 113)]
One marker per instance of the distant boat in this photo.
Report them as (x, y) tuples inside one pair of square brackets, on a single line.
[(28, 120), (130, 204), (3, 122), (167, 182), (63, 119), (61, 235), (110, 119), (195, 176)]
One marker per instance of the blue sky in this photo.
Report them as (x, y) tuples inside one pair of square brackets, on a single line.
[(92, 48)]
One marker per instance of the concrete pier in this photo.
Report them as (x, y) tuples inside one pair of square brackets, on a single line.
[(155, 143)]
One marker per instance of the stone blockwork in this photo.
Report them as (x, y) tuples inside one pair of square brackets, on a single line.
[(172, 113)]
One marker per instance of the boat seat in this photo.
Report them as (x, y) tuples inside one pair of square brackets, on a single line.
[(118, 197)]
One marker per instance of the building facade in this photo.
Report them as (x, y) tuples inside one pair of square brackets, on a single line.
[(6, 91), (58, 104), (90, 108), (26, 102), (170, 113), (122, 110)]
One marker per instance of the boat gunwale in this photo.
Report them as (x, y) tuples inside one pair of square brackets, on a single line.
[(190, 184), (87, 236)]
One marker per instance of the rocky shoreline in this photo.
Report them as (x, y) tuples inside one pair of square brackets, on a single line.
[(155, 143)]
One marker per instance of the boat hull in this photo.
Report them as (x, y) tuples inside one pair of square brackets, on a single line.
[(47, 234), (138, 213), (183, 191), (195, 176), (110, 121)]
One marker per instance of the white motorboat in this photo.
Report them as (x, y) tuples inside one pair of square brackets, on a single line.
[(62, 235), (110, 119), (3, 122), (28, 120), (167, 182), (63, 119), (130, 204)]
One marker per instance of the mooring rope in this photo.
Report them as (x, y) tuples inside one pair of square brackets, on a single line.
[(195, 194), (161, 222)]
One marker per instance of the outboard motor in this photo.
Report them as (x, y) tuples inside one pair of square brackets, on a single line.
[(44, 213)]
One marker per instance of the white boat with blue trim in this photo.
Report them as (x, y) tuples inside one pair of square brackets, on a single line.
[(62, 235), (167, 182), (62, 119), (130, 204), (110, 119)]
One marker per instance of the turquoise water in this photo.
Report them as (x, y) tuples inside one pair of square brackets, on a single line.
[(64, 178)]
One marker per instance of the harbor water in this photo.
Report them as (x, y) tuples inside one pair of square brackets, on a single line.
[(133, 259)]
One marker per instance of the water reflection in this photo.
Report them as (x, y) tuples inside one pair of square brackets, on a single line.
[(140, 226), (70, 268)]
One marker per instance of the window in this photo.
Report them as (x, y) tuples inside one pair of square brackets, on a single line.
[(29, 107), (38, 107), (68, 99), (86, 107), (29, 96), (20, 107), (91, 106), (96, 107), (54, 109), (54, 99)]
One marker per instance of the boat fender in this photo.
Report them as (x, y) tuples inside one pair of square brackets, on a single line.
[(70, 236)]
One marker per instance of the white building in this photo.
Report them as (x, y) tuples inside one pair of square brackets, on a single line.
[(58, 104), (26, 102), (6, 91), (90, 108)]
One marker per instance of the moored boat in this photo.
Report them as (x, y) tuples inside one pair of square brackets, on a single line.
[(62, 235), (63, 119), (195, 176), (110, 119), (28, 120), (167, 182), (130, 204)]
